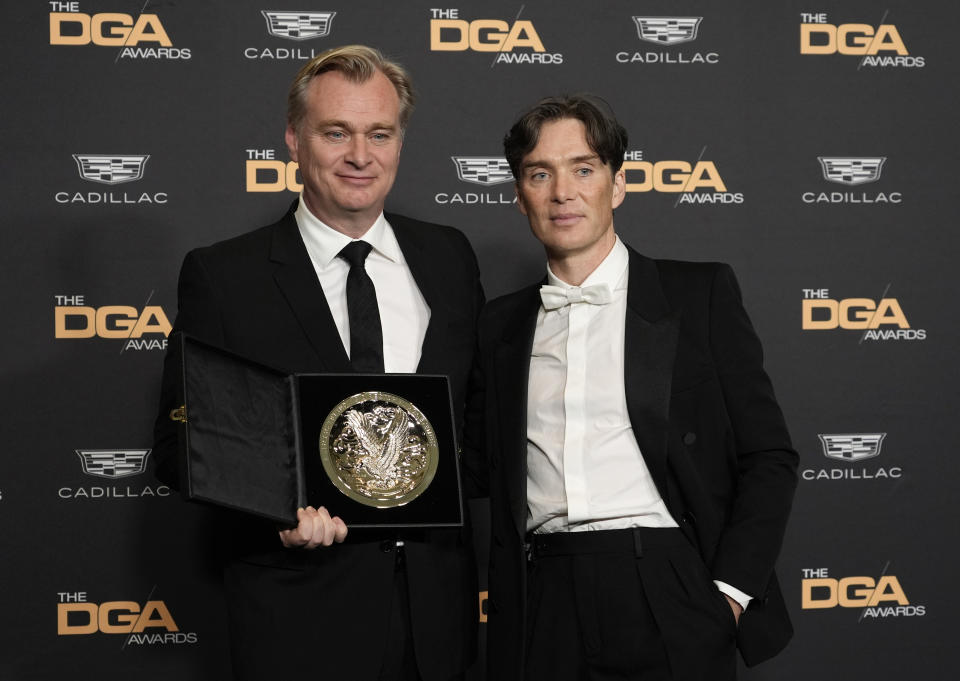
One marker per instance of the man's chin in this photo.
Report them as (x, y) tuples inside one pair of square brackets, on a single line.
[(354, 199)]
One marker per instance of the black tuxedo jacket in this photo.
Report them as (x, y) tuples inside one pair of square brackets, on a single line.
[(295, 612), (706, 419)]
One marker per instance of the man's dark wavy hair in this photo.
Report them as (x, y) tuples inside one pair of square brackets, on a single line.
[(605, 136)]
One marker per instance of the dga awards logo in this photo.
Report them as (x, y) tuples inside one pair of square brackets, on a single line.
[(851, 171), (510, 42), (486, 171), (874, 320), (695, 182), (667, 32), (110, 169), (143, 36), (264, 172), (853, 451), (877, 598), (135, 328), (113, 464), (879, 46), (149, 622), (291, 25)]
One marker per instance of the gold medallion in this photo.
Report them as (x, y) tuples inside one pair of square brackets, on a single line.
[(379, 449)]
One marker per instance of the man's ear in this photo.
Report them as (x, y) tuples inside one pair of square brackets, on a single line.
[(619, 187), (292, 141), (519, 194)]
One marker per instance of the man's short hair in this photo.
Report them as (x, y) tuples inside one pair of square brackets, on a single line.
[(605, 136), (358, 63)]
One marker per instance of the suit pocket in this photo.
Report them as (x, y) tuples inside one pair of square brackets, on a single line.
[(704, 596)]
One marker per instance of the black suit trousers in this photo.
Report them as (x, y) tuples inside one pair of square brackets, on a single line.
[(625, 604)]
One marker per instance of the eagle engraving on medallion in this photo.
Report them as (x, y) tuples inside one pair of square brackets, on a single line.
[(378, 449)]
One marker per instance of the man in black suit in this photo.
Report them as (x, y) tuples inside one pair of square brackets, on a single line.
[(639, 469), (334, 286)]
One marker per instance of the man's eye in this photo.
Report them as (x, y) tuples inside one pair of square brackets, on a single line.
[(584, 172), (538, 176), (335, 135)]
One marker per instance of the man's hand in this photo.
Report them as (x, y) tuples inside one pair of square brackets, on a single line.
[(737, 609), (315, 528)]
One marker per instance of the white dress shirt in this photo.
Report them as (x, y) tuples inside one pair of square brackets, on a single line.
[(404, 314), (585, 470)]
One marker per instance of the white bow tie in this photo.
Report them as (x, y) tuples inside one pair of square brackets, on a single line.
[(554, 297)]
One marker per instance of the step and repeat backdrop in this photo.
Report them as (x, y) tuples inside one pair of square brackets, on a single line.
[(811, 144)]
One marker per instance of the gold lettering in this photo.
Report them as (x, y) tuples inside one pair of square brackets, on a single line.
[(437, 44), (126, 616), (155, 614), (148, 29), (64, 628), (61, 314), (807, 601), (117, 30)]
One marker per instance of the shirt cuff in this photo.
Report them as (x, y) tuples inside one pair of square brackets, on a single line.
[(734, 593)]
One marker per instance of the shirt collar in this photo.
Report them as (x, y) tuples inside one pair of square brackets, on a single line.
[(324, 242), (611, 271)]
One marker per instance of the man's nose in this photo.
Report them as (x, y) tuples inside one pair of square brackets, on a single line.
[(358, 153), (563, 189)]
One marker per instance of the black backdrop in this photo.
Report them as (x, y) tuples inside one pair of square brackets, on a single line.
[(821, 167)]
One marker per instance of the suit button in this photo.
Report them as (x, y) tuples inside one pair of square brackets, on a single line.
[(689, 438), (387, 545)]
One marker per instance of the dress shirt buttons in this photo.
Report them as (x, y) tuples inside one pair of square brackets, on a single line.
[(689, 438)]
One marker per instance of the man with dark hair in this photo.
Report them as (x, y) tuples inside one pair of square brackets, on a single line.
[(639, 468), (337, 285)]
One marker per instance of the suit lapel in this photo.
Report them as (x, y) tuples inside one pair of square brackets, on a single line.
[(297, 280), (423, 267), (650, 346), (512, 367)]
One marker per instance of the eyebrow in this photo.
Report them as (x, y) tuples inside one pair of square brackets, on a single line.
[(336, 123), (534, 163)]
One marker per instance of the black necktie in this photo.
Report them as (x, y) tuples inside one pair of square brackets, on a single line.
[(366, 335)]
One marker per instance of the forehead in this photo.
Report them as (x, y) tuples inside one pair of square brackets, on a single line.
[(331, 96), (560, 139)]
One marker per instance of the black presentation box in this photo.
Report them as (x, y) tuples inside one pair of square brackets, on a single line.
[(249, 439)]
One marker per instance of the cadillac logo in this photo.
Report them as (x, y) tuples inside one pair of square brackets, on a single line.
[(851, 170), (486, 170), (298, 25), (110, 169), (668, 30), (852, 447), (113, 463)]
